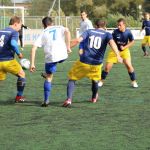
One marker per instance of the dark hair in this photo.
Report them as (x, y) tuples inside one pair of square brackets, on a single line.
[(82, 11), (100, 23), (121, 20), (47, 21), (14, 20)]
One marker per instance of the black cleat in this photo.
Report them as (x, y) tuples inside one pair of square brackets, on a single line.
[(43, 75), (45, 104)]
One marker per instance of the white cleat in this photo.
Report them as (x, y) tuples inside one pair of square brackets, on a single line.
[(134, 84), (100, 83)]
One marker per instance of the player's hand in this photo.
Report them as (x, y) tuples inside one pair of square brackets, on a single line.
[(120, 60), (69, 50), (32, 68), (122, 47), (20, 56)]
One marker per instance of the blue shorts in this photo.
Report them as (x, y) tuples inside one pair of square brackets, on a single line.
[(51, 68)]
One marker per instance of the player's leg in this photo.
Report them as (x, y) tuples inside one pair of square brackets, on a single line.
[(21, 42), (144, 43), (94, 91), (50, 69), (21, 82), (131, 72), (47, 89), (149, 41), (14, 68), (125, 54), (77, 72), (2, 71), (94, 76), (111, 59), (70, 90)]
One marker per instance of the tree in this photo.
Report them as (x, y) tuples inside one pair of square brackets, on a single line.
[(5, 2)]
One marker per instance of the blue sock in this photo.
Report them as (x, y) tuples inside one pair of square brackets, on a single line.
[(47, 89), (70, 88), (20, 86), (132, 76)]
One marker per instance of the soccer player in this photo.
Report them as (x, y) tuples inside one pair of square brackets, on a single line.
[(124, 39), (146, 26), (21, 35), (85, 23), (8, 48), (91, 59), (55, 47)]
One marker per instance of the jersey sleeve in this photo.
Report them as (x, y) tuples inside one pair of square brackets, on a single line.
[(109, 37), (14, 42), (131, 38), (85, 34)]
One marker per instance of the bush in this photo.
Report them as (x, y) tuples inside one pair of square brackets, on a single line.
[(112, 20)]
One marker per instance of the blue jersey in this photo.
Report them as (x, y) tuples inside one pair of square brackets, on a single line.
[(7, 48), (146, 26), (122, 38), (94, 46)]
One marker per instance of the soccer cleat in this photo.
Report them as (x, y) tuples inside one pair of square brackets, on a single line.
[(67, 103), (100, 83), (134, 84), (94, 100), (19, 99), (43, 75), (45, 104)]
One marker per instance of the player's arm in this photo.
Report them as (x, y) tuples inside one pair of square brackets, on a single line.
[(32, 58), (130, 43), (68, 39), (115, 49), (38, 43), (15, 48), (76, 41)]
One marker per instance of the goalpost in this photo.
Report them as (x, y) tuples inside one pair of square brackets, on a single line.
[(6, 12), (51, 9)]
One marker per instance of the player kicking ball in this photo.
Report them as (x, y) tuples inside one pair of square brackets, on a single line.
[(8, 49), (94, 42), (56, 43)]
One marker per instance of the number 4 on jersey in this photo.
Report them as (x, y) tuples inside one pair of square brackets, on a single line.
[(2, 40)]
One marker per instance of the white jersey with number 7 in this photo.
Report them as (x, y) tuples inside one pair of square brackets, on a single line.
[(52, 39)]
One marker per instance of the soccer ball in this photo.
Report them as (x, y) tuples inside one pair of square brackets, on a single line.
[(25, 63)]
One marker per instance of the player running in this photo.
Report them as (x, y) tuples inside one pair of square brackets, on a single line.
[(146, 26), (94, 42), (52, 39), (8, 48), (124, 39)]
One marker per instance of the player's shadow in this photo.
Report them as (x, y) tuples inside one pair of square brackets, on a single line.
[(7, 102)]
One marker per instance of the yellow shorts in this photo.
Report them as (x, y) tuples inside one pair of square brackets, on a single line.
[(146, 40), (11, 66), (81, 70), (111, 58)]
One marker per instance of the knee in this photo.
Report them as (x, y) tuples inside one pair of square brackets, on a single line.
[(21, 74)]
